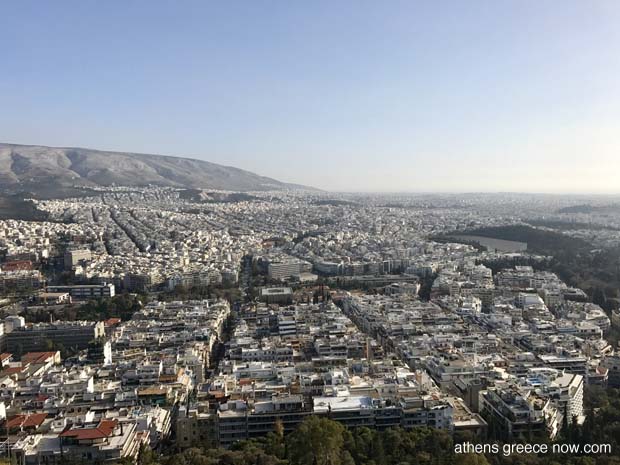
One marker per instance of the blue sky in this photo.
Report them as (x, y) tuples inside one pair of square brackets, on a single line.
[(344, 95)]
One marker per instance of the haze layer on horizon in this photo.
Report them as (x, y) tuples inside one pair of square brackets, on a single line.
[(348, 96)]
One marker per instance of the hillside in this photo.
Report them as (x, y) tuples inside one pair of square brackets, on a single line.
[(44, 170)]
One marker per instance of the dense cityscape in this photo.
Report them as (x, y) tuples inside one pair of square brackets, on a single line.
[(310, 233), (140, 323)]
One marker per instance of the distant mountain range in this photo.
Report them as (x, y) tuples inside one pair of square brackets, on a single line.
[(46, 170)]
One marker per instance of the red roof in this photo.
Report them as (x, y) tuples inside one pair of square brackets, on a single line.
[(112, 321), (8, 371), (25, 421), (4, 356), (37, 357), (104, 429), (15, 265)]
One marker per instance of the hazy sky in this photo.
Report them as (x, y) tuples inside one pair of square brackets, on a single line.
[(343, 95)]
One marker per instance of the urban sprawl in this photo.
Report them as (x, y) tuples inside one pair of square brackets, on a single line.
[(272, 307)]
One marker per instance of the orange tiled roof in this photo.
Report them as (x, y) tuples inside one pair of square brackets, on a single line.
[(25, 421), (104, 429)]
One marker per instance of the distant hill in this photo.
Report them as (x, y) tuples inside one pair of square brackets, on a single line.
[(586, 208), (48, 170)]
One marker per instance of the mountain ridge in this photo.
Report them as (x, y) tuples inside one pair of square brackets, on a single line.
[(33, 167)]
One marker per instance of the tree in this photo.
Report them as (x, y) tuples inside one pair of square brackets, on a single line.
[(470, 459), (146, 456), (317, 441)]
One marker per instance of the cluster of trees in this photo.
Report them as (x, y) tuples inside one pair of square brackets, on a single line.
[(320, 441), (538, 240), (602, 423), (571, 225), (587, 208), (17, 207), (426, 286), (121, 306)]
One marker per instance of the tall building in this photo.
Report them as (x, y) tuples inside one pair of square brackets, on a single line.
[(37, 337), (74, 258)]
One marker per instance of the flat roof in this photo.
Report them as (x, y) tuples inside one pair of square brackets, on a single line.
[(276, 290), (323, 404)]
